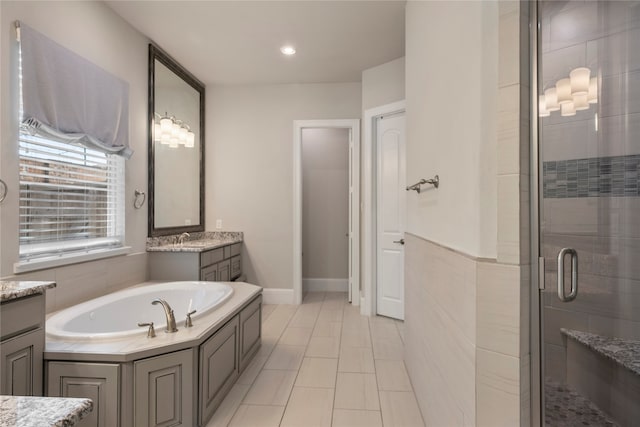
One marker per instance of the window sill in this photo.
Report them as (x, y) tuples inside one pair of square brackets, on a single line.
[(58, 261)]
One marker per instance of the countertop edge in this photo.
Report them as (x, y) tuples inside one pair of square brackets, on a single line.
[(34, 411), (12, 290)]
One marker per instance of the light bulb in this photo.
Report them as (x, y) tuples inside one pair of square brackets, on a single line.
[(173, 142), (165, 138), (579, 81), (542, 108), (563, 89), (592, 96), (288, 50), (567, 109), (551, 99), (175, 130)]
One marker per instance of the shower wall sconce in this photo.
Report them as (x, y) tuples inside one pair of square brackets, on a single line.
[(571, 94)]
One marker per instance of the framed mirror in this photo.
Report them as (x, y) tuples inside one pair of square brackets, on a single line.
[(176, 147)]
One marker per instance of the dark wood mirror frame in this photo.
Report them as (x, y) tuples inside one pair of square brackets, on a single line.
[(155, 53)]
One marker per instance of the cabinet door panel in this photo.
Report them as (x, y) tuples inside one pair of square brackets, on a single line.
[(236, 267), (164, 390), (21, 364), (209, 274), (250, 331), (224, 271), (218, 368), (99, 382)]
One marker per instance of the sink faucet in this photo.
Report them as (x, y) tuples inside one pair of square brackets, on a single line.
[(171, 320), (182, 238)]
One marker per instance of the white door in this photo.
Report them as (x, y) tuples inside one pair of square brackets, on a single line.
[(391, 182)]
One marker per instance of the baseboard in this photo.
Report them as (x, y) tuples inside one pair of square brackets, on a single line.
[(277, 296), (325, 285)]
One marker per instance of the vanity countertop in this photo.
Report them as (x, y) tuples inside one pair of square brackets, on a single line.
[(27, 411), (10, 290), (197, 242)]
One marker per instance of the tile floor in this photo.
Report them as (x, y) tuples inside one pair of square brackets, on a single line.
[(322, 364)]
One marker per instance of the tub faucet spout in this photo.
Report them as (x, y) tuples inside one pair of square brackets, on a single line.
[(171, 320)]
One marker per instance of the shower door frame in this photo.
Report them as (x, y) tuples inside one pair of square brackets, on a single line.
[(537, 262)]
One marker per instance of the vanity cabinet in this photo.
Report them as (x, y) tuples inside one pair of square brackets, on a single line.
[(99, 382), (163, 390), (221, 264), (22, 345)]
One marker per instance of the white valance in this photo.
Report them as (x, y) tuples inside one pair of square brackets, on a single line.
[(68, 98)]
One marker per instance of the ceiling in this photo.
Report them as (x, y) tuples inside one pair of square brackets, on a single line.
[(238, 42)]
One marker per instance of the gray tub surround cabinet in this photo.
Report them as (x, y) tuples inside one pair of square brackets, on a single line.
[(26, 411), (22, 308), (211, 256), (176, 379)]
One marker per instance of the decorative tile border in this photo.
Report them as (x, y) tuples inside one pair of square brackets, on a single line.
[(596, 177)]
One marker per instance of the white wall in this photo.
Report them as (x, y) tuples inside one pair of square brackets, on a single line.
[(93, 31), (451, 123), (383, 84), (249, 165), (325, 203)]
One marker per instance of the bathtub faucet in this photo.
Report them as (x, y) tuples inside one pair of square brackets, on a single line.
[(171, 320)]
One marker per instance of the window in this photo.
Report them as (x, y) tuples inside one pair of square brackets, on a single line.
[(71, 198)]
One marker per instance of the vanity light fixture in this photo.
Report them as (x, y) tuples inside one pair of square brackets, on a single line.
[(571, 94), (173, 132), (288, 50)]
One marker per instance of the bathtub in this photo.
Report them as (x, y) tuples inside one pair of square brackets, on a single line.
[(117, 315)]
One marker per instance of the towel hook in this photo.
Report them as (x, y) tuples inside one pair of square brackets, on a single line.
[(435, 181), (137, 203), (3, 190)]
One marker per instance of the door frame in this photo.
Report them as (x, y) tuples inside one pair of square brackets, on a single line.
[(354, 173), (368, 306)]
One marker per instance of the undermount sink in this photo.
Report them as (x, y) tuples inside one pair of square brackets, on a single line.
[(192, 244)]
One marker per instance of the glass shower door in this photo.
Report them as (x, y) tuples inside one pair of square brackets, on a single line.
[(589, 200)]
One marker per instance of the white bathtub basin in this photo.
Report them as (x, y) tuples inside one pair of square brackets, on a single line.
[(117, 315)]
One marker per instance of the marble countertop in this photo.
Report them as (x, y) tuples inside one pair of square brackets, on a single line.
[(197, 242), (26, 411), (623, 352), (10, 290)]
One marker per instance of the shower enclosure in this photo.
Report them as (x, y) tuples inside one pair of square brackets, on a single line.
[(588, 207)]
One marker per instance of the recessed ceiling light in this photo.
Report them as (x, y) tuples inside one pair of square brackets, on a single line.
[(287, 50)]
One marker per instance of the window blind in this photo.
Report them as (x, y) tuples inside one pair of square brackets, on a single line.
[(71, 198)]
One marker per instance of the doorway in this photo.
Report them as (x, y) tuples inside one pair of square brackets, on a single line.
[(352, 127), (384, 211), (586, 214)]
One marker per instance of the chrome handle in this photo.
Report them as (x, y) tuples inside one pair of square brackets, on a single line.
[(401, 241), (574, 275), (188, 323), (151, 332), (435, 181)]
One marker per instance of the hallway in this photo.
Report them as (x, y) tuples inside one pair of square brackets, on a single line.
[(323, 364)]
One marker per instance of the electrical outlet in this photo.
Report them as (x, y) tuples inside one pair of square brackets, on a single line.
[(218, 224)]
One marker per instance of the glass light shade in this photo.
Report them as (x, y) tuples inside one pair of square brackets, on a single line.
[(567, 109), (157, 133), (579, 81), (191, 140), (182, 136), (175, 130), (173, 143), (592, 96), (580, 102), (551, 99), (563, 89), (542, 108), (165, 138), (165, 124)]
